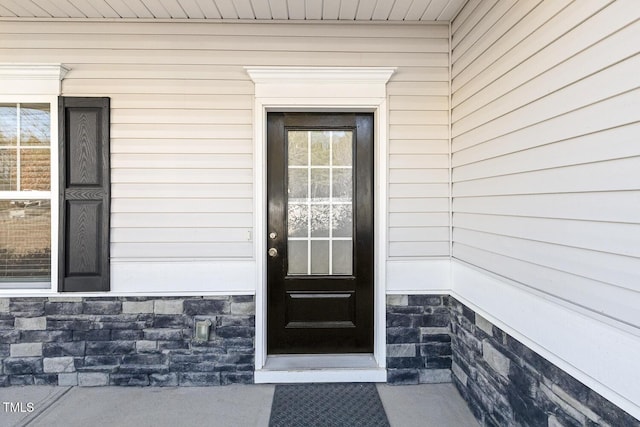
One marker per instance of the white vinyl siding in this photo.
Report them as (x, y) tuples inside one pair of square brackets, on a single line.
[(546, 156), (182, 133)]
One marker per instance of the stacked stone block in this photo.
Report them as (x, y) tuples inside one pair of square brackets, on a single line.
[(507, 384), (418, 339), (126, 341)]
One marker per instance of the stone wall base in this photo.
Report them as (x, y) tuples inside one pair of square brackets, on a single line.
[(128, 341), (507, 384), (418, 339)]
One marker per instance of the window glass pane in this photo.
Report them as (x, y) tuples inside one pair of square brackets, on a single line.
[(25, 240), (298, 259), (8, 169), (35, 123), (35, 167), (8, 124)]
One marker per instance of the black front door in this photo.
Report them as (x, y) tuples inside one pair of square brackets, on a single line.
[(320, 233)]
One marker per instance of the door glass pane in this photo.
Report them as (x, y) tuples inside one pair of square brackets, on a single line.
[(298, 259), (319, 257), (320, 151), (298, 220), (320, 202), (342, 257), (298, 148)]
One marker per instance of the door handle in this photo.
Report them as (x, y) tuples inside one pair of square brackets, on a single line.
[(273, 252)]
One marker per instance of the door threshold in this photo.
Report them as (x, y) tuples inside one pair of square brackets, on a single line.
[(328, 368)]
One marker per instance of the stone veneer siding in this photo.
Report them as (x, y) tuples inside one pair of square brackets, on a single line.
[(418, 339), (128, 341), (507, 384)]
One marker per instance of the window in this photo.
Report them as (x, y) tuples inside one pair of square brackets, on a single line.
[(25, 194), (29, 176)]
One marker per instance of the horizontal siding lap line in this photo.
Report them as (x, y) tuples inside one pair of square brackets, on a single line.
[(606, 237), (252, 44), (551, 22), (550, 168), (581, 292), (618, 270), (570, 97), (531, 216), (625, 288), (556, 242), (542, 120), (534, 14), (480, 15), (388, 30), (620, 103), (627, 128), (598, 57), (482, 42), (204, 57)]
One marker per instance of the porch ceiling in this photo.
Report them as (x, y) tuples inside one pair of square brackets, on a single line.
[(294, 10)]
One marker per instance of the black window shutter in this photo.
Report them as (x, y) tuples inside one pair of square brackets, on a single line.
[(85, 194)]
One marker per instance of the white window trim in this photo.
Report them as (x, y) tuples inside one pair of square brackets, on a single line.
[(38, 83), (355, 89)]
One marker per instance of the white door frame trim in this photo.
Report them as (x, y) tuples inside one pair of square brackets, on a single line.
[(321, 89)]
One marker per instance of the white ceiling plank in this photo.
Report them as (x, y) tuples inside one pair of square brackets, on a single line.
[(156, 8), (279, 9), (434, 10), (348, 9), (417, 9), (244, 9), (331, 9), (314, 9), (399, 10), (174, 9), (103, 9), (209, 9), (69, 9), (226, 9), (365, 10), (86, 8), (4, 12), (296, 9), (192, 9), (261, 9), (27, 8), (451, 10), (124, 8), (51, 8), (382, 10)]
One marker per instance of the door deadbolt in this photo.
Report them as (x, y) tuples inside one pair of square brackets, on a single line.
[(273, 252), (273, 235)]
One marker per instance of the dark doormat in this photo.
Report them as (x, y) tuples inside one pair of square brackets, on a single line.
[(327, 405)]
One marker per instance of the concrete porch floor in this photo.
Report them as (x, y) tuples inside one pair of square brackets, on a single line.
[(235, 405)]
